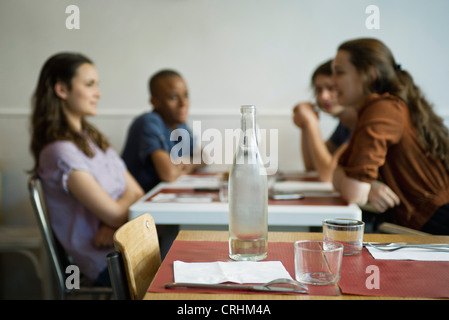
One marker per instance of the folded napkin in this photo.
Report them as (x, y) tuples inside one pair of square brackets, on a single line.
[(176, 197), (192, 181), (308, 188), (418, 254), (238, 271), (301, 186)]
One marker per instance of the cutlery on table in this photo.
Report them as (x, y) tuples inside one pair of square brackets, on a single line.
[(391, 246), (272, 286)]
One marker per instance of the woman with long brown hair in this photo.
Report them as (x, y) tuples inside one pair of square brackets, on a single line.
[(87, 187), (322, 156), (398, 137)]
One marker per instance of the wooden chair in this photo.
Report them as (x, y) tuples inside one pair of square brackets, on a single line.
[(57, 255), (137, 254), (391, 228)]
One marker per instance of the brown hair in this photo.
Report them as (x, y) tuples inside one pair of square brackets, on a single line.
[(324, 69), (48, 121), (369, 55)]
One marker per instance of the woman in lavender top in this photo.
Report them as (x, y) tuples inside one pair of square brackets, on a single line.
[(87, 187)]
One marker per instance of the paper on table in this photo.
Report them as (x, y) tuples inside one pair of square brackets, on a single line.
[(417, 254), (198, 181), (308, 188), (238, 272), (177, 197)]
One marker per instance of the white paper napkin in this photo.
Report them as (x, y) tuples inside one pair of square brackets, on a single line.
[(418, 254), (308, 188), (192, 181), (238, 271), (176, 197)]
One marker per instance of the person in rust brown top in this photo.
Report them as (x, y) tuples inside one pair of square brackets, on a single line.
[(398, 138)]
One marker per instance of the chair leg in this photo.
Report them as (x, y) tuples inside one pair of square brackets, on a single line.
[(118, 276)]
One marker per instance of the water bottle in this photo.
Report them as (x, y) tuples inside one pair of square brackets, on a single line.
[(248, 195)]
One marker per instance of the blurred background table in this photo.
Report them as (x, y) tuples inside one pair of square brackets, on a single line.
[(318, 204)]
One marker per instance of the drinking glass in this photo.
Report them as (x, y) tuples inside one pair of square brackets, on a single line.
[(318, 262), (348, 232)]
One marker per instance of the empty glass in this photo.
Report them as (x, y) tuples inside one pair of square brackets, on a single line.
[(348, 232), (318, 262)]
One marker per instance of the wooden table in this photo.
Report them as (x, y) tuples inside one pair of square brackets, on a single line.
[(186, 235)]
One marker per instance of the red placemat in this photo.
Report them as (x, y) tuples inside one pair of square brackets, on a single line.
[(208, 251), (395, 278), (307, 201)]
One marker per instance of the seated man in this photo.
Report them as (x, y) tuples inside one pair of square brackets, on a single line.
[(148, 148), (320, 155)]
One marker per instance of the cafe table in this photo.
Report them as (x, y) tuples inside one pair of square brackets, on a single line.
[(195, 201), (353, 270)]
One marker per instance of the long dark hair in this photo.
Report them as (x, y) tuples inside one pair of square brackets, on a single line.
[(390, 77), (48, 121)]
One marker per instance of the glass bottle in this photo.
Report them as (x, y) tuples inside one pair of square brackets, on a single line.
[(248, 195)]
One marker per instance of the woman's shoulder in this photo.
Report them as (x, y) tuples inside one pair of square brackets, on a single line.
[(60, 146), (384, 105), (60, 150), (384, 99)]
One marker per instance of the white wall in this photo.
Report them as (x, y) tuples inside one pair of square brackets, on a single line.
[(231, 53)]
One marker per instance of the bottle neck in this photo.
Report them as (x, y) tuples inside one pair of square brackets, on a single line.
[(248, 126)]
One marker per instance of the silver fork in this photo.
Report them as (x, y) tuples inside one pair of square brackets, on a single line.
[(388, 247), (273, 286)]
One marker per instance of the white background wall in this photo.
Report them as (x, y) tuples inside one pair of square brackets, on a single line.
[(231, 53)]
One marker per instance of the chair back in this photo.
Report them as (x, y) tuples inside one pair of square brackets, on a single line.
[(56, 253), (59, 259), (137, 242)]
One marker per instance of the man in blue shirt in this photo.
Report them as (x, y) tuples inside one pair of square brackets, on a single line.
[(149, 151)]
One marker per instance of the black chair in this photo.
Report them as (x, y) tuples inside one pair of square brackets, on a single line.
[(117, 274), (59, 259)]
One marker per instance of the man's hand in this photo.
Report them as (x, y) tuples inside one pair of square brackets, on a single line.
[(303, 114)]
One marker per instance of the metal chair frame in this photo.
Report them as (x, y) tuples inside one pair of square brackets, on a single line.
[(59, 259), (117, 274)]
